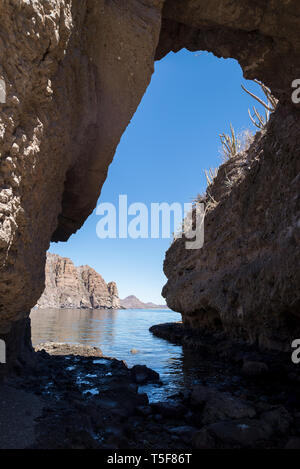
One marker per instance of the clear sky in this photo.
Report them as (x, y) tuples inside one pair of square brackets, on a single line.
[(172, 138)]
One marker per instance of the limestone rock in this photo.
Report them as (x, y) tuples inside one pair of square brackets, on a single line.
[(68, 286)]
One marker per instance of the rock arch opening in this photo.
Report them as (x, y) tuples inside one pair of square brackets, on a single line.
[(81, 80)]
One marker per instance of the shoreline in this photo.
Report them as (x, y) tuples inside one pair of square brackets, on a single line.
[(74, 397)]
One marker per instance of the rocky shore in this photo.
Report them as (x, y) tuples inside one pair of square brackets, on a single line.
[(251, 402), (74, 397)]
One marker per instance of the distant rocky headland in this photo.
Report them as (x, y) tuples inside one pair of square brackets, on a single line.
[(68, 286), (132, 302)]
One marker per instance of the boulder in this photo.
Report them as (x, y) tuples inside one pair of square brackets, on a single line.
[(243, 433), (142, 374), (216, 405)]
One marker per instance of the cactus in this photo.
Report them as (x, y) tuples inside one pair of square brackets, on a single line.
[(258, 119), (231, 144)]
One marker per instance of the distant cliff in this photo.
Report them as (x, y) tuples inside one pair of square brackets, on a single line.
[(132, 302), (67, 286)]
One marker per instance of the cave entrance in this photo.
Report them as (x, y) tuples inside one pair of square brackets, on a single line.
[(162, 158)]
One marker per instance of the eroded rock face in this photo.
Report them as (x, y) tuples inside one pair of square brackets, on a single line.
[(262, 36), (68, 286), (75, 73)]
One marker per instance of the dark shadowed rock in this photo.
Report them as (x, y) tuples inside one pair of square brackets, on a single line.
[(223, 407), (293, 443), (200, 394), (142, 374), (169, 409), (279, 419), (244, 433), (184, 432), (255, 369), (203, 440), (215, 405)]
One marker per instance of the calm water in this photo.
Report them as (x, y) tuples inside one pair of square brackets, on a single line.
[(117, 332)]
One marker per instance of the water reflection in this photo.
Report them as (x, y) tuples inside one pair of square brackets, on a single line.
[(117, 332)]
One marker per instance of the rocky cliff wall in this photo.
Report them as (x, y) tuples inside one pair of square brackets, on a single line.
[(245, 280), (75, 72), (67, 286)]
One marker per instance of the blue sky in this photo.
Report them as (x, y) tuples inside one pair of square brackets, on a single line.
[(172, 138)]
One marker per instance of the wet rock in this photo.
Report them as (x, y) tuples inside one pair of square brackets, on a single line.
[(59, 348), (142, 374), (254, 369), (142, 399), (169, 331), (171, 410)]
